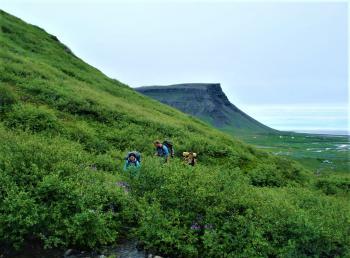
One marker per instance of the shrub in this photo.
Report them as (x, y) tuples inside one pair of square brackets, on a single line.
[(266, 175), (19, 215), (334, 185), (276, 173), (83, 219), (50, 192), (7, 99), (195, 212), (31, 118), (165, 233)]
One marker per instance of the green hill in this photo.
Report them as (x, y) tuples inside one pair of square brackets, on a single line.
[(64, 130), (208, 102)]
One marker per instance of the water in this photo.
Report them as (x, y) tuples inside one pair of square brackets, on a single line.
[(126, 249), (329, 132)]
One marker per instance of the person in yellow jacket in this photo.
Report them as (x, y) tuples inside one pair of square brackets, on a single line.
[(190, 158)]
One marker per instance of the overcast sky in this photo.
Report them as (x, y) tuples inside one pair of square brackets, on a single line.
[(285, 64)]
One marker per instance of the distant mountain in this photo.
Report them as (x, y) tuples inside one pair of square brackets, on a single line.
[(208, 102)]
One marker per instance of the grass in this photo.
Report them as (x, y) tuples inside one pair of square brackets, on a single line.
[(322, 154), (65, 128)]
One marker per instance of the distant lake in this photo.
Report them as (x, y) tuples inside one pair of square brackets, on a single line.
[(330, 132)]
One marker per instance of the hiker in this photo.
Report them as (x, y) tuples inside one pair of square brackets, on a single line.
[(190, 158), (161, 150), (170, 147), (132, 160)]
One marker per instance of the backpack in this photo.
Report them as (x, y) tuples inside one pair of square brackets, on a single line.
[(190, 158), (169, 145), (136, 154)]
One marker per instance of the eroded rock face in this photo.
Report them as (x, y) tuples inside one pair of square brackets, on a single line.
[(205, 101)]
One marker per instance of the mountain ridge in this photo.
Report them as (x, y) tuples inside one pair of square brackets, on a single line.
[(208, 102)]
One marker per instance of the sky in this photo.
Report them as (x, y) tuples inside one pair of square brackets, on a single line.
[(283, 63)]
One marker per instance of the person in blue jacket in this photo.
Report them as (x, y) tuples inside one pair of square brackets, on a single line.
[(133, 160), (161, 150)]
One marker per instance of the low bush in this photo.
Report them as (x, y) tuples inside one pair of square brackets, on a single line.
[(52, 192), (32, 118), (19, 215), (7, 99), (200, 213), (331, 185)]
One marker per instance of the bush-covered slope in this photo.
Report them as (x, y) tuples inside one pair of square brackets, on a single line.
[(64, 130)]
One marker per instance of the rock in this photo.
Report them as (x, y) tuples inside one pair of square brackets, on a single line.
[(70, 252)]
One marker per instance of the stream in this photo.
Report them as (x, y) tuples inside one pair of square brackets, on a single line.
[(126, 249)]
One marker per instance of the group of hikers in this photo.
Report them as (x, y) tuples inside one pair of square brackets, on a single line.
[(164, 150)]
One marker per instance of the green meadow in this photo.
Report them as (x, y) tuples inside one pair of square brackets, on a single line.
[(322, 154), (65, 129)]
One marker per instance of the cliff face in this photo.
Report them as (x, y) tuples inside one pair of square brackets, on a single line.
[(207, 102)]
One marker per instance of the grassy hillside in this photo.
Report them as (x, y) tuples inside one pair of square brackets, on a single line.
[(64, 130), (322, 154)]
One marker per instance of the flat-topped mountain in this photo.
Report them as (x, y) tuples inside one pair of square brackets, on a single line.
[(208, 102)]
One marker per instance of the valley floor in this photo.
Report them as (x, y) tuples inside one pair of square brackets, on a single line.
[(320, 153)]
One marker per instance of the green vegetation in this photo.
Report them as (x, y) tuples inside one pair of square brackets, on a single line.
[(322, 154), (221, 214), (64, 130)]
